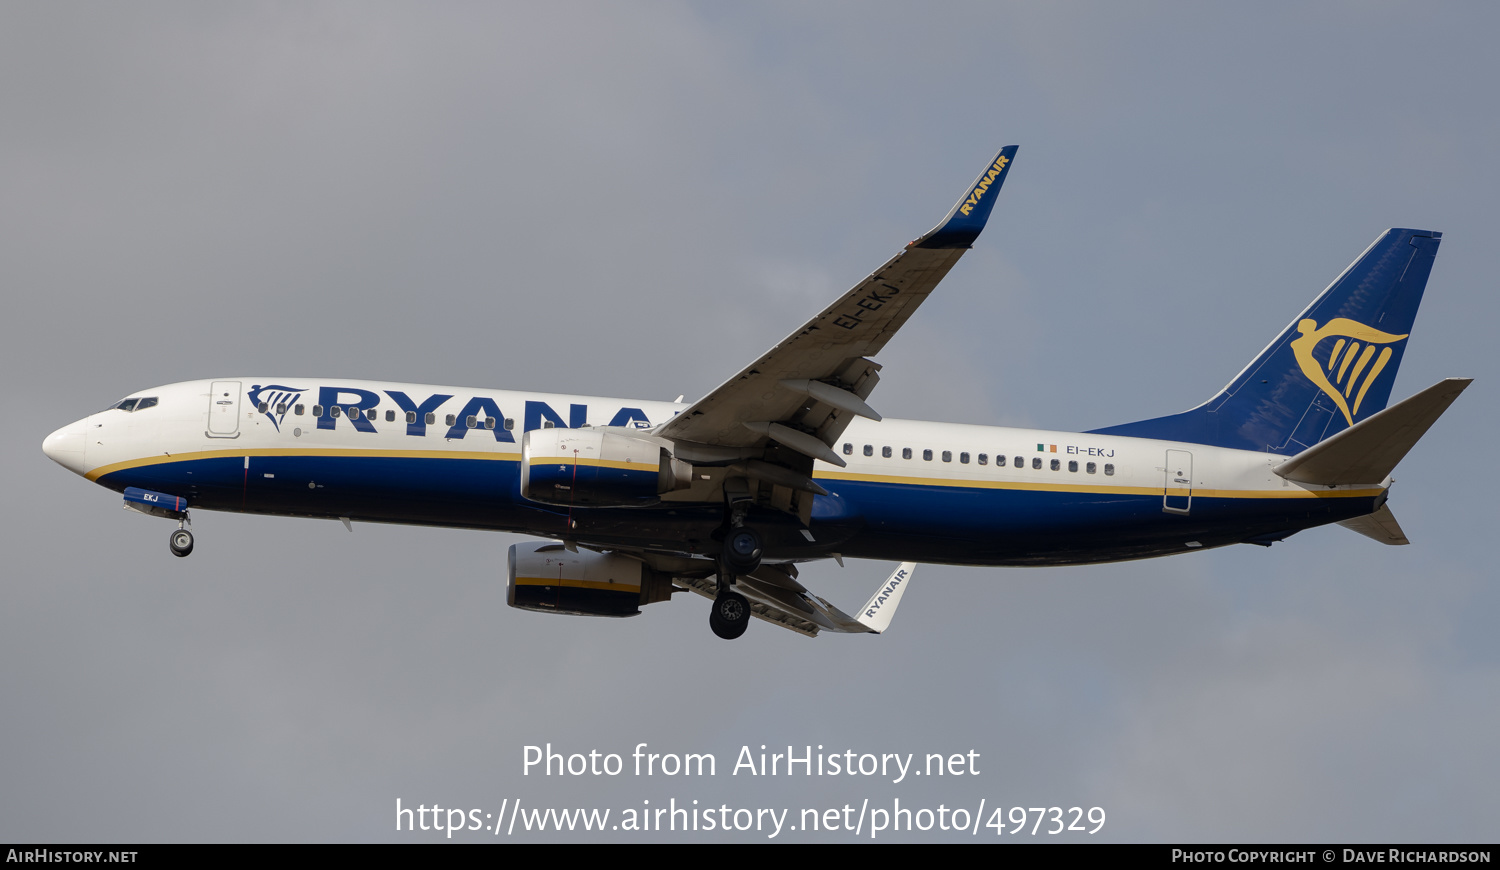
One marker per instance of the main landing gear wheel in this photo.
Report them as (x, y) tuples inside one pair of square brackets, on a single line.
[(742, 550), (730, 615), (181, 542)]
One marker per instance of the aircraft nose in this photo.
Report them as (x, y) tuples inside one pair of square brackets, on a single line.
[(65, 447)]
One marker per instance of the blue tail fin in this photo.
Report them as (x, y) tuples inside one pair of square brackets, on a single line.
[(1330, 368)]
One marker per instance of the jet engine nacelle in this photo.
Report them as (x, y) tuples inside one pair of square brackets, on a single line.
[(599, 468), (547, 577)]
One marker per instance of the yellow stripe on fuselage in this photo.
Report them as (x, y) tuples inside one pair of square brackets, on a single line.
[(1091, 488)]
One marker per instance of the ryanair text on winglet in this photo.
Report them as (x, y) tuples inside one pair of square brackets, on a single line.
[(983, 186), (890, 588)]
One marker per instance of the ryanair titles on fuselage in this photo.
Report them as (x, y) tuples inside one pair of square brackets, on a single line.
[(357, 406)]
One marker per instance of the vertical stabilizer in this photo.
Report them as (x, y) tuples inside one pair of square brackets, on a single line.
[(1332, 366)]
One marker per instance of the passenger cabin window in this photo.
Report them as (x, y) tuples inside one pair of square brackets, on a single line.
[(869, 450), (489, 422), (333, 411), (1072, 465), (1036, 463), (262, 407), (281, 408), (1021, 462), (1057, 465), (999, 460), (906, 453), (317, 410), (411, 417), (885, 452), (510, 422), (353, 412), (432, 418), (471, 421), (548, 424), (1091, 468), (451, 418), (927, 455), (947, 455), (963, 458), (848, 449), (299, 409), (984, 458), (1109, 469), (390, 416)]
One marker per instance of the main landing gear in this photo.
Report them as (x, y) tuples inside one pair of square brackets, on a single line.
[(181, 540), (730, 615)]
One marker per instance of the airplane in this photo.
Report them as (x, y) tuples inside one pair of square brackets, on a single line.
[(787, 462)]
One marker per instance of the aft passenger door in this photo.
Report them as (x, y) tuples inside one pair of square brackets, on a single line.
[(1178, 492), (224, 410)]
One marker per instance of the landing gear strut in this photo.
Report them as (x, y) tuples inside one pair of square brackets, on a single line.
[(181, 541), (740, 555)]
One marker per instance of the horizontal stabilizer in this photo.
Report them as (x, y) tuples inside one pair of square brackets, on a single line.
[(1369, 450), (1381, 526)]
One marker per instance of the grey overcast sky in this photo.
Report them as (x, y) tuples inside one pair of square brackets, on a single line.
[(634, 200)]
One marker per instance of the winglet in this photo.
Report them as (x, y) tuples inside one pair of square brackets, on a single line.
[(964, 223), (877, 613)]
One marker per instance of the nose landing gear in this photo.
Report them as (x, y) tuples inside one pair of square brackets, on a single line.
[(166, 506)]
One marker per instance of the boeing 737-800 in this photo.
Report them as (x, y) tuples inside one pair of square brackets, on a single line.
[(787, 461)]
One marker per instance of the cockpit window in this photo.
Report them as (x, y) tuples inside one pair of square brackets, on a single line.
[(131, 405)]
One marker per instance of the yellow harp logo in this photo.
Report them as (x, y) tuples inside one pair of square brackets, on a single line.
[(1351, 355)]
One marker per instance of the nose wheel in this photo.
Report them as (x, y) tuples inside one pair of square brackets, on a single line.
[(181, 541)]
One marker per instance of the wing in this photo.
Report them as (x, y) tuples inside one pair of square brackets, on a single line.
[(776, 597), (803, 392)]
